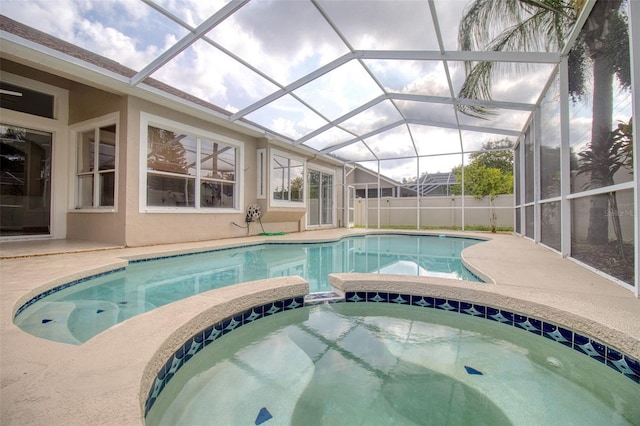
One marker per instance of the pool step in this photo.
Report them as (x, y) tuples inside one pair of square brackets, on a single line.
[(323, 297)]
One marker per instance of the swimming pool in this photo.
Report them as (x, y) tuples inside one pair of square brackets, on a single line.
[(379, 363), (77, 311)]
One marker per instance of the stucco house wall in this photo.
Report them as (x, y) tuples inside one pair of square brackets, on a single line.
[(130, 222)]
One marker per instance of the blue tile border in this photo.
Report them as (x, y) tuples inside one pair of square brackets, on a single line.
[(64, 286), (204, 337), (297, 243), (620, 362)]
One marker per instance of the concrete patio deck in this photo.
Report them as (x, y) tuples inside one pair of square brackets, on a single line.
[(99, 382)]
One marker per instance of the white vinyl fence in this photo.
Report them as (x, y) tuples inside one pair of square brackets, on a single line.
[(444, 211)]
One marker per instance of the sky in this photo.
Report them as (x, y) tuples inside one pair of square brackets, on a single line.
[(278, 42)]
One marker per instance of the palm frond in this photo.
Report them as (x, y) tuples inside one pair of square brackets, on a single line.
[(547, 5), (528, 25), (483, 19)]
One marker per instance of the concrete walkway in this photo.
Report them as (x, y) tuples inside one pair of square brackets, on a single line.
[(45, 382)]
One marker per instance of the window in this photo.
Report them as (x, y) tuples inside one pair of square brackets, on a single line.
[(287, 180), (96, 167), (191, 169), (261, 163), (21, 99), (373, 193), (25, 181)]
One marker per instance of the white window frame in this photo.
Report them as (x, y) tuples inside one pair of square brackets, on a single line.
[(147, 120), (59, 129), (75, 131), (302, 204), (261, 184)]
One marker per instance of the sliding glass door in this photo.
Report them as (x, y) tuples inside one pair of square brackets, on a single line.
[(320, 206), (25, 181)]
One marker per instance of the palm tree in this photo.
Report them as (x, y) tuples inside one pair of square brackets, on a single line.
[(601, 49), (602, 165)]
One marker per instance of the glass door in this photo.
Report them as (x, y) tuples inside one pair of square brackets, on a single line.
[(25, 181), (351, 206), (320, 206)]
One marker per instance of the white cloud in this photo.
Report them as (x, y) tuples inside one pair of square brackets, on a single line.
[(392, 143), (287, 40), (111, 43), (520, 83), (108, 28), (373, 118), (285, 127), (449, 14), (193, 12), (579, 132), (340, 91), (433, 140), (55, 17), (429, 84)]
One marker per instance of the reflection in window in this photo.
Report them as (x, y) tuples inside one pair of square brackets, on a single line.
[(287, 179), (170, 191), (613, 254), (25, 181), (21, 99), (170, 152), (96, 167), (187, 171)]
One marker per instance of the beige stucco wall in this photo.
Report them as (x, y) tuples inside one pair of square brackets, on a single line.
[(87, 103), (37, 75), (147, 227), (130, 223)]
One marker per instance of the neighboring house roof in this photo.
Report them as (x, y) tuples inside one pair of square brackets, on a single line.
[(374, 175), (430, 182)]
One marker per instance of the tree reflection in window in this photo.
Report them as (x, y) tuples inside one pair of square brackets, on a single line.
[(166, 152), (287, 179)]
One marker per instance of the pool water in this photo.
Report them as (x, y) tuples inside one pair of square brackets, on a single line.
[(385, 364), (79, 312)]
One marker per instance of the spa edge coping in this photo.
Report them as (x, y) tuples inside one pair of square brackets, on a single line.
[(354, 282)]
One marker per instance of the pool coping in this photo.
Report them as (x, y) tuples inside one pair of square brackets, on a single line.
[(42, 380)]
